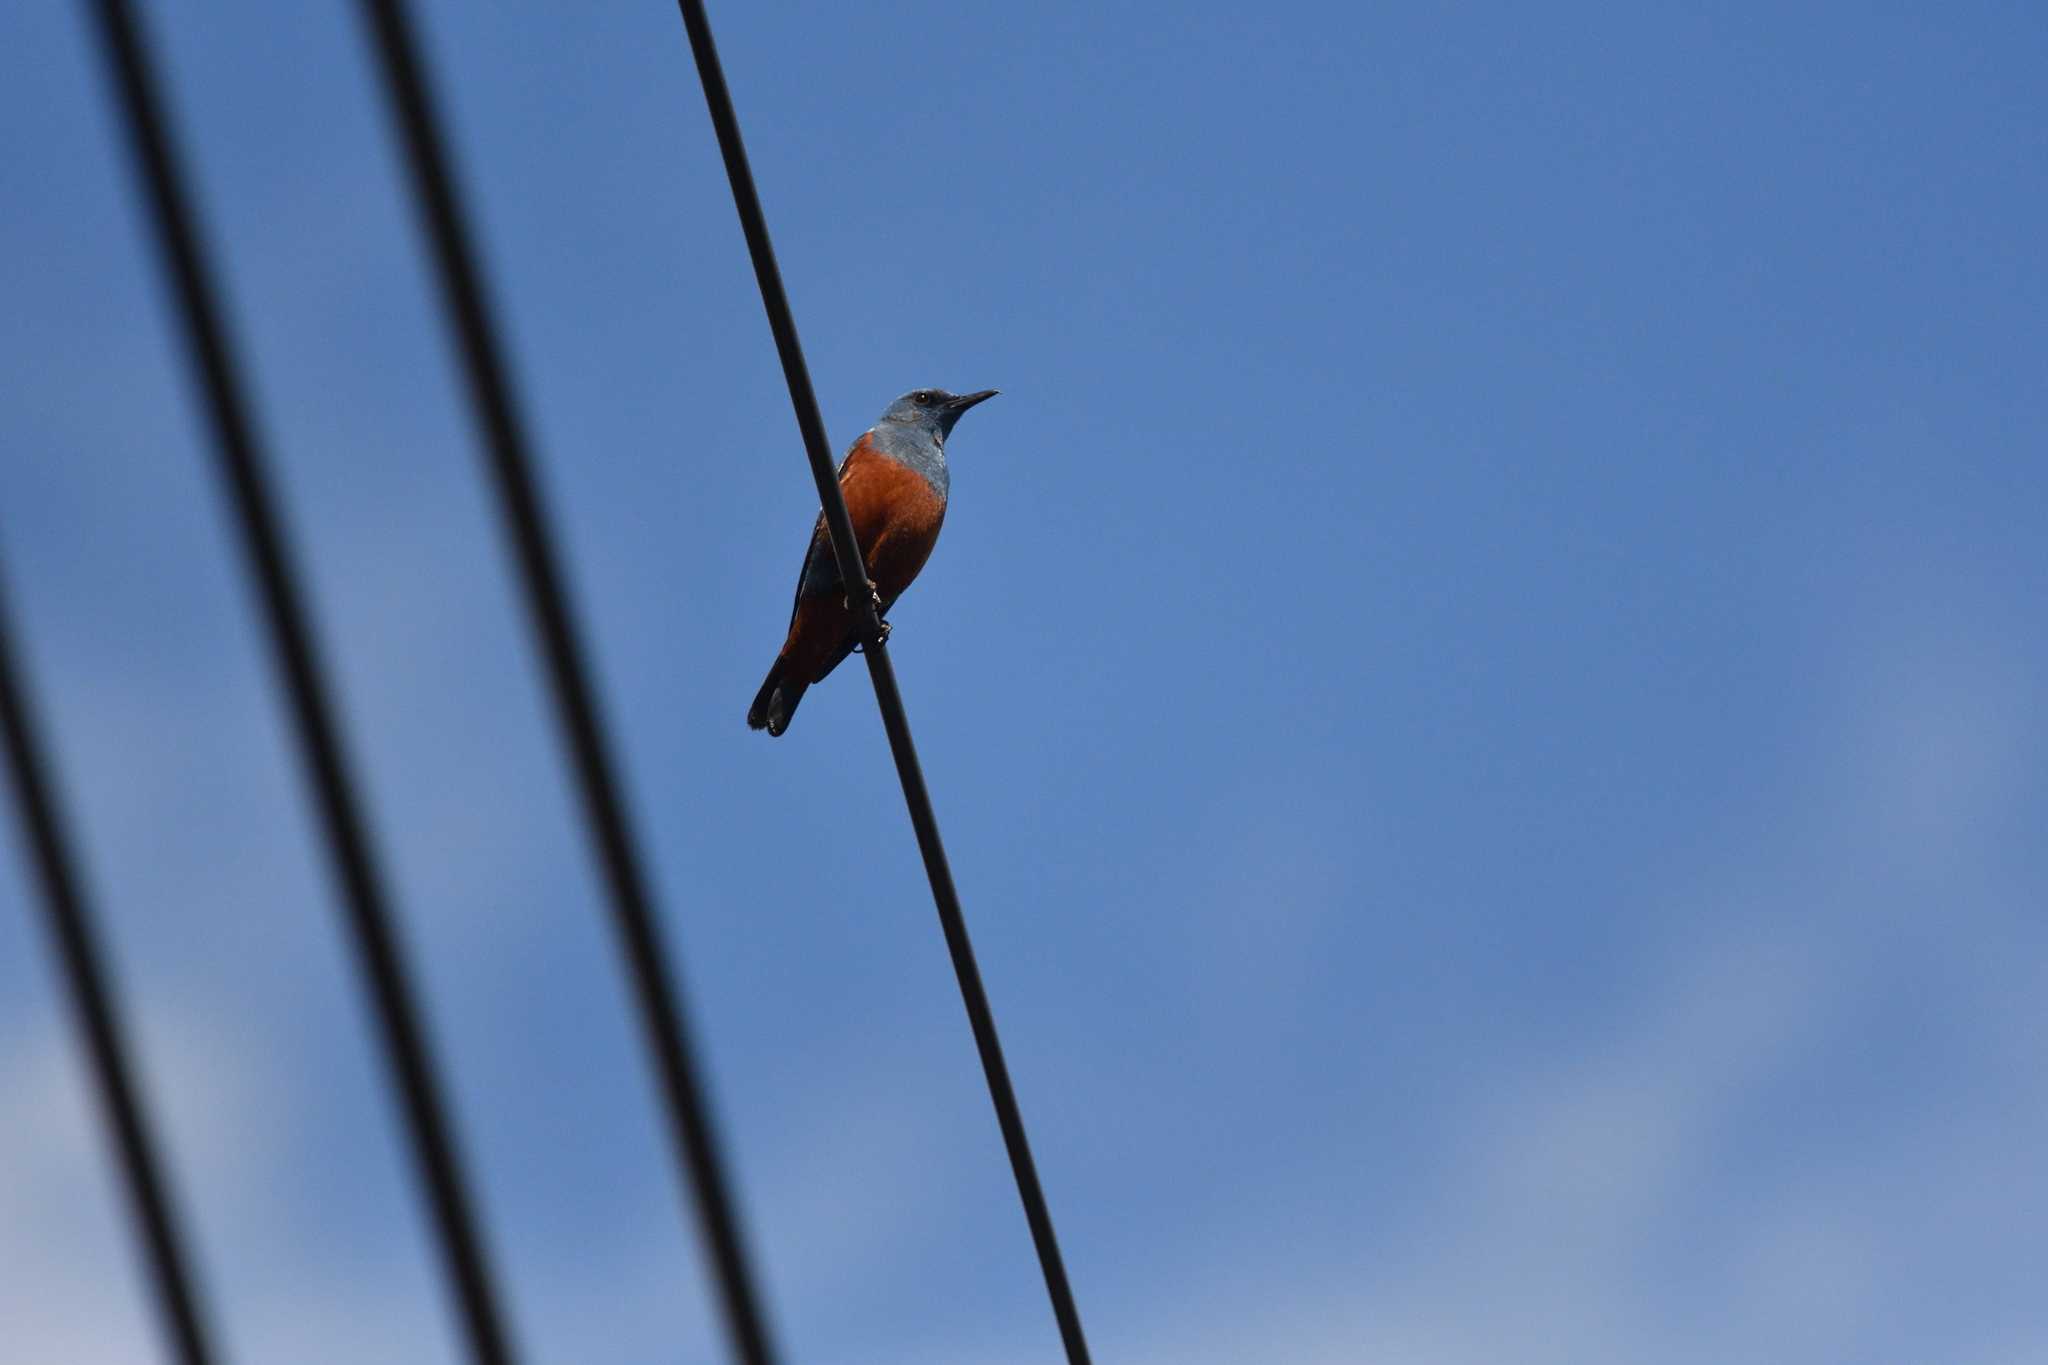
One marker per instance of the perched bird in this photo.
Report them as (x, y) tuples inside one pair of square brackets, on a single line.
[(894, 479)]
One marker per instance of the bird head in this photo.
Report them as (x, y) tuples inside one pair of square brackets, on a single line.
[(933, 411)]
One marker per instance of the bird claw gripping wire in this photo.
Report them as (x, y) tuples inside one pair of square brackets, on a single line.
[(881, 626), (881, 637), (874, 596)]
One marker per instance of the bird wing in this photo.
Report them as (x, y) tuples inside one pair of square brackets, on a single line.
[(820, 573), (871, 483)]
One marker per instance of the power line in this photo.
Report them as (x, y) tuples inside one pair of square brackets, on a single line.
[(656, 990), (242, 465), (76, 944), (852, 570)]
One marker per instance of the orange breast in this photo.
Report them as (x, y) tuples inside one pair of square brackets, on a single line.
[(896, 517)]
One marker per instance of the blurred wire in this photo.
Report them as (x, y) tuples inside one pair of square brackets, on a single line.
[(656, 991), (851, 570), (269, 563), (98, 1016)]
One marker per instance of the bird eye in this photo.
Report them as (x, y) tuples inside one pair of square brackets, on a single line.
[(922, 398)]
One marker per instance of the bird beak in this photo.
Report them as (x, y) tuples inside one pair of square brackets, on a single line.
[(968, 400)]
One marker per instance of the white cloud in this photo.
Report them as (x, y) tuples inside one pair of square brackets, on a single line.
[(70, 1282), (1629, 1191), (1653, 1187)]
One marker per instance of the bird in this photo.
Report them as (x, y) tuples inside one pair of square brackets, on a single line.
[(894, 480)]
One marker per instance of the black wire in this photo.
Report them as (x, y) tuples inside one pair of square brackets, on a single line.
[(98, 1016), (264, 543), (657, 992), (726, 123)]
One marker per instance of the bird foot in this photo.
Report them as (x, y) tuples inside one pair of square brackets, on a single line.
[(874, 596), (881, 637), (875, 600)]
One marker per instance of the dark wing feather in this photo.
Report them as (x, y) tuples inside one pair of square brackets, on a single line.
[(847, 648), (820, 573)]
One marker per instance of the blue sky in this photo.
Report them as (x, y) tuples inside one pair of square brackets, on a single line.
[(1484, 682)]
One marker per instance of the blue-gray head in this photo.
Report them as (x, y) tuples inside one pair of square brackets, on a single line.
[(931, 411)]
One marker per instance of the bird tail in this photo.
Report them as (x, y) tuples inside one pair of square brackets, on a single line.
[(776, 702)]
